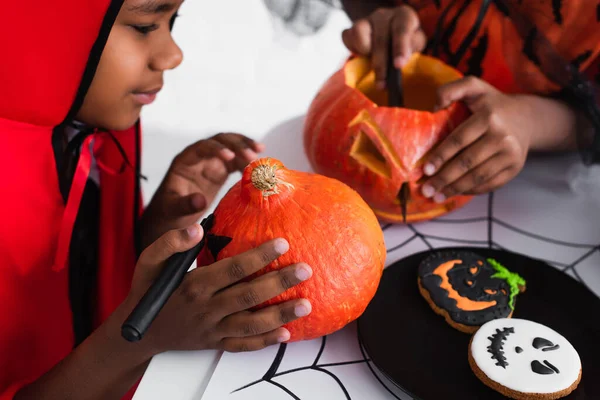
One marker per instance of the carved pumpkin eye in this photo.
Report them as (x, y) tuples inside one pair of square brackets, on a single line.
[(366, 153), (491, 291)]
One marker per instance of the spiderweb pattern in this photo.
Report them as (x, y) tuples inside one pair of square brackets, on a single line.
[(408, 240)]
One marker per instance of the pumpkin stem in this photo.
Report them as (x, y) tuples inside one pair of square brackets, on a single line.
[(264, 179)]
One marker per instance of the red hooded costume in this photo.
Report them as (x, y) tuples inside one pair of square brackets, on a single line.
[(50, 50)]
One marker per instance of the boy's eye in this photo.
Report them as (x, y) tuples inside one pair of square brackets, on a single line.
[(145, 29)]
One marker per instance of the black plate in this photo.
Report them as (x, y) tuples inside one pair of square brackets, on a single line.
[(425, 357)]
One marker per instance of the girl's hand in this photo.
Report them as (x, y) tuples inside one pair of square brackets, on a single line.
[(370, 37), (485, 151)]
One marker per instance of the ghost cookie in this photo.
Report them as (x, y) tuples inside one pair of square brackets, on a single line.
[(467, 289), (522, 359)]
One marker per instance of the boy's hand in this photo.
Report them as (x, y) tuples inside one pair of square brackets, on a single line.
[(370, 37), (485, 151), (210, 309), (193, 180)]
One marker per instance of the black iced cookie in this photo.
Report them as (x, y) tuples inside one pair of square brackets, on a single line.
[(467, 289)]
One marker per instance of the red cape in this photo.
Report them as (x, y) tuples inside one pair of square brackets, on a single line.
[(49, 53)]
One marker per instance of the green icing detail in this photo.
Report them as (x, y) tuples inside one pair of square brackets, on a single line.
[(513, 279)]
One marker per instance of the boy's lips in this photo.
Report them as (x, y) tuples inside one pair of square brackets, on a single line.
[(146, 97)]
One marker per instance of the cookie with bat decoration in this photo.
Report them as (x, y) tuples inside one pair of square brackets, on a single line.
[(467, 289), (524, 360)]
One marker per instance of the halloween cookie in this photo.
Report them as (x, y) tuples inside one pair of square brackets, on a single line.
[(524, 360), (468, 290)]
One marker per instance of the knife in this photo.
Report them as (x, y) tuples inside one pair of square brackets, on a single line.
[(395, 99)]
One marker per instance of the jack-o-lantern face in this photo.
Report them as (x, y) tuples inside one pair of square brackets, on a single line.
[(468, 288), (352, 136), (524, 357)]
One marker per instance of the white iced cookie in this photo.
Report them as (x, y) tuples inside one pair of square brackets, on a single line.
[(524, 360)]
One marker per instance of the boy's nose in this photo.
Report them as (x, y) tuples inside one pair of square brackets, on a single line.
[(169, 57)]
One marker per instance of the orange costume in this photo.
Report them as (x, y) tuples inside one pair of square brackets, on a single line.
[(548, 47)]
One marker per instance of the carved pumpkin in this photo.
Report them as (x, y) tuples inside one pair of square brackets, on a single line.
[(328, 226), (352, 136)]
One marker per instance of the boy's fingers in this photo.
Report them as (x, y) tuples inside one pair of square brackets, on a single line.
[(466, 133), (172, 242), (478, 176), (244, 149), (250, 294), (258, 147), (228, 271), (404, 26), (464, 162), (200, 150), (358, 38), (380, 37), (236, 141), (253, 343), (215, 170), (246, 323), (188, 205)]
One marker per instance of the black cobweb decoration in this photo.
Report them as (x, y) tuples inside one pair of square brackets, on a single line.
[(302, 17), (273, 372)]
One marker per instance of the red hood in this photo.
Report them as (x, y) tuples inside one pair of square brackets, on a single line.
[(45, 48)]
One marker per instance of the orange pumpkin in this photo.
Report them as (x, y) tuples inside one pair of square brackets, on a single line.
[(328, 226), (351, 135)]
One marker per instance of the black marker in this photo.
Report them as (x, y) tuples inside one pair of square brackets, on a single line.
[(162, 288)]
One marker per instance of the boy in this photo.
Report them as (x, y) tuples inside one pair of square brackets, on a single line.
[(74, 78), (527, 64)]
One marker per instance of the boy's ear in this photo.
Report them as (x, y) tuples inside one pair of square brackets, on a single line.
[(48, 73)]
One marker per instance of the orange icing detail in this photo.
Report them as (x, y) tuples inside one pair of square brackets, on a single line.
[(461, 302), (490, 291), (480, 262), (469, 282), (472, 270)]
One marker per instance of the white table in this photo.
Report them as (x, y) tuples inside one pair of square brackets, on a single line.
[(239, 79)]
